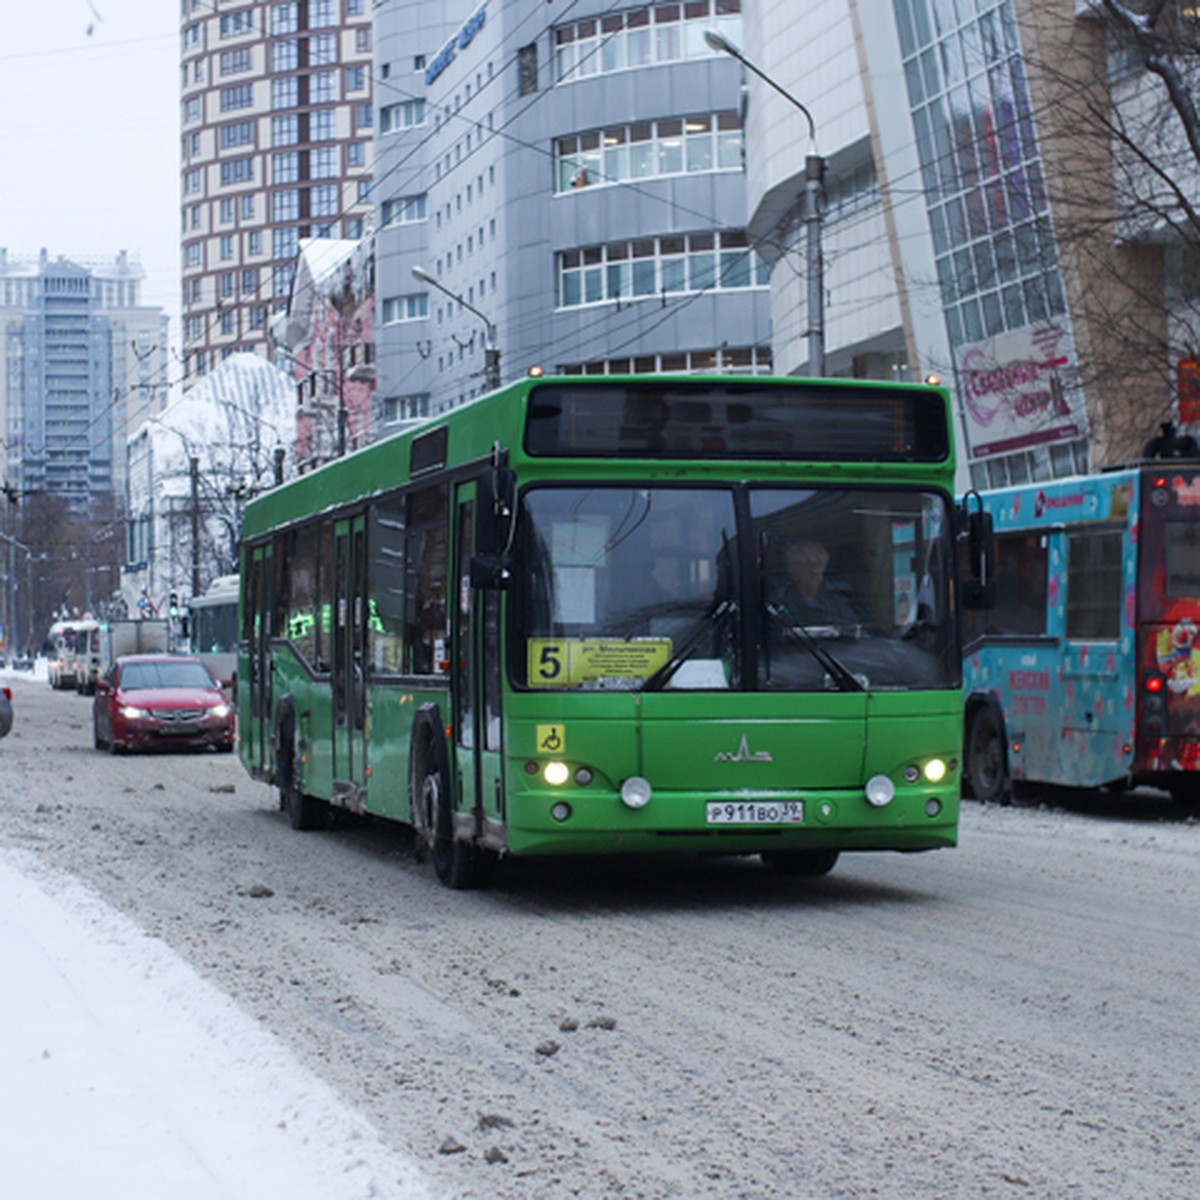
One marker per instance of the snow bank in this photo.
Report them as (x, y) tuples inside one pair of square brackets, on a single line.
[(127, 1076)]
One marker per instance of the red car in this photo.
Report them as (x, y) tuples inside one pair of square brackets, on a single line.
[(6, 712), (167, 700)]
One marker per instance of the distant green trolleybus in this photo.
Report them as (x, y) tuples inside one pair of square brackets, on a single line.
[(574, 616)]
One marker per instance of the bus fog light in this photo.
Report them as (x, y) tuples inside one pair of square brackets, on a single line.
[(583, 776), (911, 774), (556, 773), (880, 790), (935, 770), (560, 811), (933, 806), (635, 792)]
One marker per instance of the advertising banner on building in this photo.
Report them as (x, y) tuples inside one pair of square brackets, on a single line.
[(1018, 390)]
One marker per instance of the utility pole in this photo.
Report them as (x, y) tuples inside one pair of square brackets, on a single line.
[(194, 465)]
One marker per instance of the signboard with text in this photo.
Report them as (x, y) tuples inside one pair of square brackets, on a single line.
[(1018, 390)]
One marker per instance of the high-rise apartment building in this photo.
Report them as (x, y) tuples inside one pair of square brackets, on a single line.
[(276, 146), (84, 362), (569, 181)]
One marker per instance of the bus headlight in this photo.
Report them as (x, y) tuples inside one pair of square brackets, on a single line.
[(935, 770), (635, 792), (880, 790), (556, 773)]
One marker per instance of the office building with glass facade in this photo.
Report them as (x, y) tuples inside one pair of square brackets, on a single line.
[(571, 187)]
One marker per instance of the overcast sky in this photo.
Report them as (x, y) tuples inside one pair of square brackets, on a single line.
[(89, 134)]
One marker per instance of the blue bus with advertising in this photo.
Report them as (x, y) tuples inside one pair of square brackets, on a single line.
[(1086, 672)]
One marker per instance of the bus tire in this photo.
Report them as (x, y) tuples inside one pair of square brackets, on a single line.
[(304, 812), (800, 862), (986, 760), (456, 863)]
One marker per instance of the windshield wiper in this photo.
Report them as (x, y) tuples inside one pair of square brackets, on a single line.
[(716, 616), (839, 672)]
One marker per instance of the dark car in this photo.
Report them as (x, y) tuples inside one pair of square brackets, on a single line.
[(167, 700), (6, 711)]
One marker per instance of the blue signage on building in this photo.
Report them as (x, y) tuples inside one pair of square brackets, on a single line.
[(460, 41)]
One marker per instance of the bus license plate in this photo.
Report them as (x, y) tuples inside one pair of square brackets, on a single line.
[(754, 812)]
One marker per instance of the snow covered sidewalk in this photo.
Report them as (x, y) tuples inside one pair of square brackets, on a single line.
[(125, 1076)]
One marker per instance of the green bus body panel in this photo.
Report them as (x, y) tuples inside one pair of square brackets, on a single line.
[(692, 747)]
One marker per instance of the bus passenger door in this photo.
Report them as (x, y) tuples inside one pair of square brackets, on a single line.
[(349, 663), (477, 675), (254, 716)]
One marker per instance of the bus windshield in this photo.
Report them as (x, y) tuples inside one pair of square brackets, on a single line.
[(752, 589)]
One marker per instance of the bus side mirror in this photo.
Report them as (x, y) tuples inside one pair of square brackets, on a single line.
[(979, 587), (490, 571), (494, 512)]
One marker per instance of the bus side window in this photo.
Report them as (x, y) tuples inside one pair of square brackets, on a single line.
[(1021, 577), (1094, 585), (427, 547), (385, 587)]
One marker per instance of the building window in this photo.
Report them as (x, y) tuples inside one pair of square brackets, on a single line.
[(527, 70), (285, 55), (414, 307), (324, 200), (320, 12), (226, 283), (363, 118), (356, 155), (322, 49), (640, 37), (285, 92), (285, 166), (694, 262), (405, 115), (356, 79), (254, 242), (284, 18), (321, 125), (233, 62), (225, 210), (193, 254), (237, 170), (281, 280), (249, 281), (323, 162), (404, 210), (241, 96), (362, 39), (671, 146), (285, 130), (226, 250), (322, 87), (192, 109), (285, 242), (285, 205), (237, 133), (247, 207), (236, 23)]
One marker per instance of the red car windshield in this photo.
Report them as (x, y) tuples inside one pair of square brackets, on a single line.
[(139, 676)]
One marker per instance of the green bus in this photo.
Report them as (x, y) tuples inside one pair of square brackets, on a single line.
[(578, 615)]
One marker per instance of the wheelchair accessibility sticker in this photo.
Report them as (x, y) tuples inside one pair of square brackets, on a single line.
[(551, 739)]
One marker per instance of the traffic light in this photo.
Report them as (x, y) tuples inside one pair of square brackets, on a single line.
[(173, 604)]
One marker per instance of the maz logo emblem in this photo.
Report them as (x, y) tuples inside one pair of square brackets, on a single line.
[(743, 754)]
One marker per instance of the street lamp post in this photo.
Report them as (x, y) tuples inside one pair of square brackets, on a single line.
[(491, 351), (814, 175)]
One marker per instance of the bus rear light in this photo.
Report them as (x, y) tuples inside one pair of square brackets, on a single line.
[(1154, 683), (635, 792)]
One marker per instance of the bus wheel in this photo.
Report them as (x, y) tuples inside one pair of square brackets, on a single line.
[(304, 812), (457, 864), (986, 768), (800, 862)]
